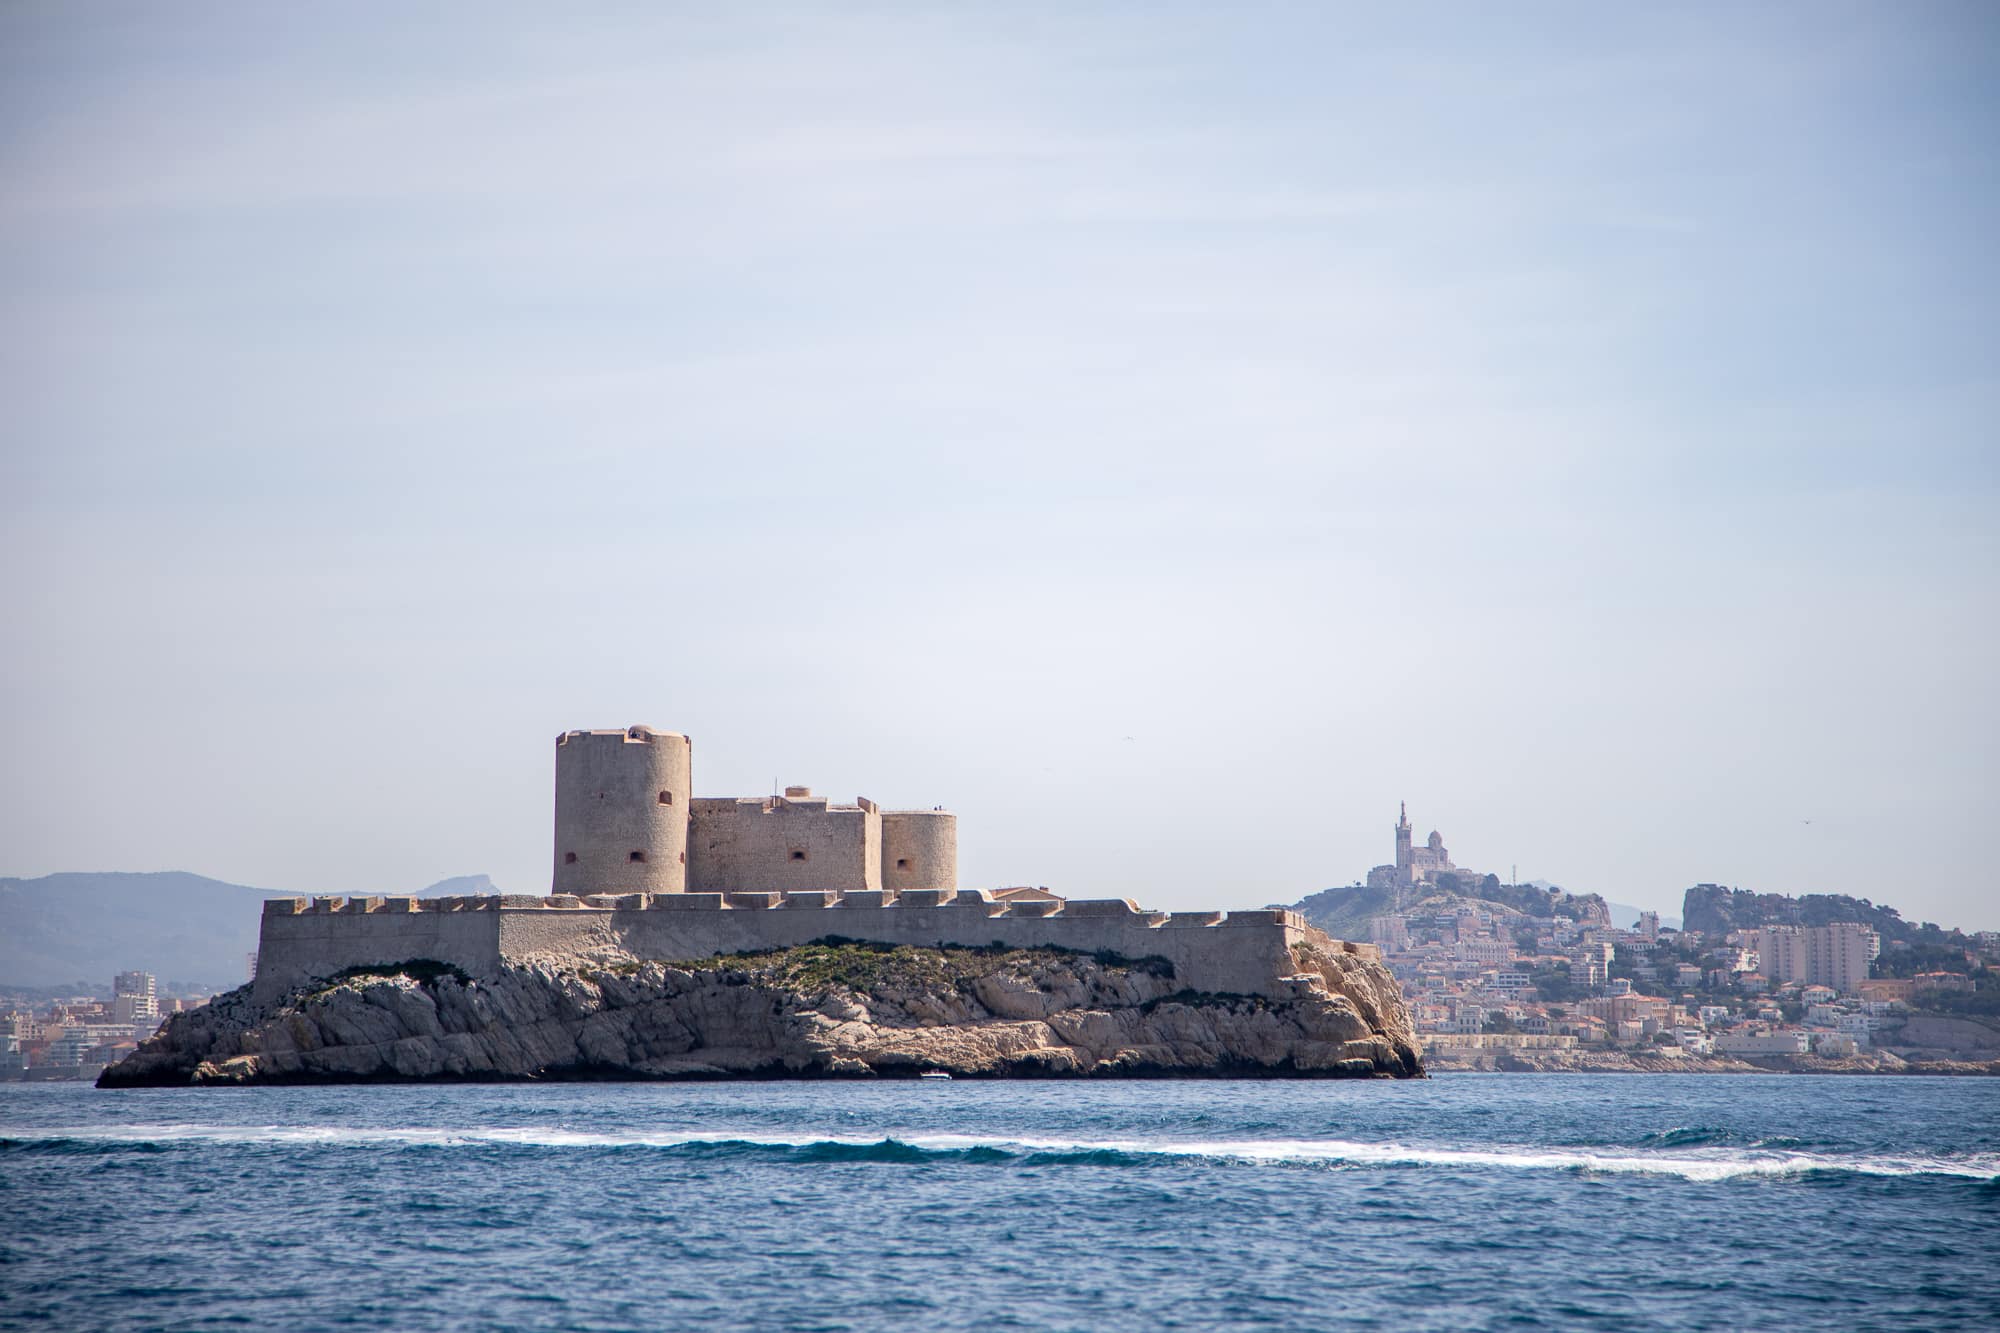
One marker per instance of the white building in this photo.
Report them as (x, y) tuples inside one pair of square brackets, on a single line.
[(1785, 1041), (134, 998), (71, 1047)]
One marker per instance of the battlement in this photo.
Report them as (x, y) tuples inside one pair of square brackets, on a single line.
[(635, 735), (913, 900)]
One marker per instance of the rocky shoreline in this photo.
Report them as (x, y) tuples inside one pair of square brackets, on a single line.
[(834, 1009), (1637, 1062)]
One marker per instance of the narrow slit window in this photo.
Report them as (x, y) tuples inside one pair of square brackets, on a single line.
[(902, 863), (638, 856), (798, 856), (569, 858)]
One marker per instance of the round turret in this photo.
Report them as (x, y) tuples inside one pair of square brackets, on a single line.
[(919, 849), (621, 811)]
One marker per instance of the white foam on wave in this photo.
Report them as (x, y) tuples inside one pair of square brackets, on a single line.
[(1696, 1164), (1692, 1164)]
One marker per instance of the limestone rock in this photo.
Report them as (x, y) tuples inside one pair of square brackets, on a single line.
[(823, 1010)]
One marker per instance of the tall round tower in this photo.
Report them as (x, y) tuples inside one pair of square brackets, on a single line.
[(621, 811), (919, 849)]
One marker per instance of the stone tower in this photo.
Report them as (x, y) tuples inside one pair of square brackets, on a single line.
[(1405, 861), (919, 850), (622, 811)]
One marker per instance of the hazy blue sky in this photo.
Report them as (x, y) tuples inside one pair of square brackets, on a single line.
[(1167, 435)]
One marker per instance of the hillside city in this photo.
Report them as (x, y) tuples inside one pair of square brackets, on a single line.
[(78, 1036), (1517, 976)]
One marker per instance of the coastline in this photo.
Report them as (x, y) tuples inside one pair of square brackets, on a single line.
[(1879, 1064)]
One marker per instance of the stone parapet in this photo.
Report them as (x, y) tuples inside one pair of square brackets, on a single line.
[(1246, 952)]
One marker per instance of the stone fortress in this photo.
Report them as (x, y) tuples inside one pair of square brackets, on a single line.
[(626, 823), (645, 870)]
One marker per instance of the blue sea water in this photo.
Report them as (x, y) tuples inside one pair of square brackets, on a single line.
[(1463, 1202)]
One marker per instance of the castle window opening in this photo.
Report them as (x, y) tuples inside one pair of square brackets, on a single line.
[(798, 855), (569, 858), (902, 863), (638, 856), (666, 798)]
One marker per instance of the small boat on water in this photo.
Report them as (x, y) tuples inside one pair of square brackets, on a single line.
[(935, 1073)]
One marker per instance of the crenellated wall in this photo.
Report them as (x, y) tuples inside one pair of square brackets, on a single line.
[(1245, 953), (304, 938)]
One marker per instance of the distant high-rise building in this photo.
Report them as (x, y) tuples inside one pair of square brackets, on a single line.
[(1837, 955), (134, 998)]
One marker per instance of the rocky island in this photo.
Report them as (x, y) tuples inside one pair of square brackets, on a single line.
[(774, 937), (827, 1010)]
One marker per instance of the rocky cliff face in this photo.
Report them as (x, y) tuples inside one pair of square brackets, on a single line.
[(818, 1011)]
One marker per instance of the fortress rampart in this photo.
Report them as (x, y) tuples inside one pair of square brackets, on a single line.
[(1244, 953), (643, 869)]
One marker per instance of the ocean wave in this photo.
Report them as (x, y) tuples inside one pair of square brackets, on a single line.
[(1672, 1158), (1687, 1136)]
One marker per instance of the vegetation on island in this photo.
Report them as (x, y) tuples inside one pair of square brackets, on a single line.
[(423, 971), (1345, 912), (834, 962)]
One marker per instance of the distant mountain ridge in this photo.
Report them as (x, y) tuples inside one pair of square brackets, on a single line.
[(1716, 909), (193, 932)]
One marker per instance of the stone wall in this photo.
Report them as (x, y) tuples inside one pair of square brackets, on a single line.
[(1246, 953), (797, 843), (305, 938)]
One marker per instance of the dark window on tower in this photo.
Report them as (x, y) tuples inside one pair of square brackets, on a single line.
[(666, 798), (902, 863), (638, 856), (569, 858), (798, 856)]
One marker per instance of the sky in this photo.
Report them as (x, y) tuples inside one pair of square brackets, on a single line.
[(1167, 435)]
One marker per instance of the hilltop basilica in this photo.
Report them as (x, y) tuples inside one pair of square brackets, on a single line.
[(1415, 865)]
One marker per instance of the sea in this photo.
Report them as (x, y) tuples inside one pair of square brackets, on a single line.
[(1460, 1202)]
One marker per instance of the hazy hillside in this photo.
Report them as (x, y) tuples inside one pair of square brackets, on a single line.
[(1625, 915), (1344, 912), (1717, 910), (83, 928)]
